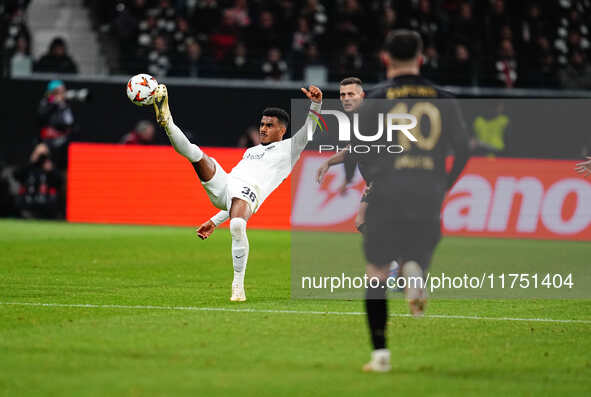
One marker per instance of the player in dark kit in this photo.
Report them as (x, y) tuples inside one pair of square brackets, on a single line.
[(351, 96), (404, 204)]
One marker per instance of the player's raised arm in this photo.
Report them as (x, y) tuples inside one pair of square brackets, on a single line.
[(300, 138)]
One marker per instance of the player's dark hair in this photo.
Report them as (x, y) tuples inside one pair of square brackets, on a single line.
[(281, 115), (404, 45), (351, 80)]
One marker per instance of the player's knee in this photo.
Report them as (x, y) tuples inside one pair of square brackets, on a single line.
[(238, 228)]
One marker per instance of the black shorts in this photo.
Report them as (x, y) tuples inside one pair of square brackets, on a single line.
[(402, 221), (385, 240), (401, 241)]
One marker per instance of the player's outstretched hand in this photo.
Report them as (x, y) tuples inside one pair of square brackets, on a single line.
[(313, 93), (584, 167), (322, 170), (205, 230)]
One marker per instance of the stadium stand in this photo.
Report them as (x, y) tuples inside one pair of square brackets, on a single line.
[(496, 43), (15, 38), (493, 43)]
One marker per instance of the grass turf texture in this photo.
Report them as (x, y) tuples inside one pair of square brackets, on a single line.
[(134, 352)]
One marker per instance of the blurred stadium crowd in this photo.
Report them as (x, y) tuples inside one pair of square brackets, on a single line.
[(496, 43)]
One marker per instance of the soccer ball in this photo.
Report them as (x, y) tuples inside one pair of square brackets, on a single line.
[(141, 88)]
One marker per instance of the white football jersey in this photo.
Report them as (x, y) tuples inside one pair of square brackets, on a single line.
[(265, 166)]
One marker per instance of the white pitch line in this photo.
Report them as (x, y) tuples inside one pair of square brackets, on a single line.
[(228, 309)]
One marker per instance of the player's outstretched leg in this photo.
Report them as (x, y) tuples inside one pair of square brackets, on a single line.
[(376, 307), (239, 212), (239, 257), (204, 165), (415, 292)]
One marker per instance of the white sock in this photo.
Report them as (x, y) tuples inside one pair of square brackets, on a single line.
[(239, 249), (181, 144)]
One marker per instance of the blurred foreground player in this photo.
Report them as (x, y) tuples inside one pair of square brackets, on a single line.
[(404, 204), (240, 193)]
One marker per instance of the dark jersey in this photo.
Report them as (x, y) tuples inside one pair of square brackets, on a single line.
[(414, 180), (366, 169)]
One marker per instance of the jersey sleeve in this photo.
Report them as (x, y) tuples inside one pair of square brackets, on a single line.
[(300, 138), (350, 163), (367, 114)]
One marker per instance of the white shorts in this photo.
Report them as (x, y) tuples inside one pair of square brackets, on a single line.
[(222, 188)]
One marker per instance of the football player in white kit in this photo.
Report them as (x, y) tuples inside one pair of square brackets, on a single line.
[(240, 193)]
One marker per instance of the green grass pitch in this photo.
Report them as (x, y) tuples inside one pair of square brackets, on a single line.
[(135, 350)]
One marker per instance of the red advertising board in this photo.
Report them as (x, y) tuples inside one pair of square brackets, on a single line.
[(516, 198), (152, 185)]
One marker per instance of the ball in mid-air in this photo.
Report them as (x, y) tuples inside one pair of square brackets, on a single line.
[(141, 88)]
